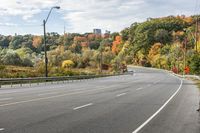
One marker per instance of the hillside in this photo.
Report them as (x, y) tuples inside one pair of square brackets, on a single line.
[(167, 43)]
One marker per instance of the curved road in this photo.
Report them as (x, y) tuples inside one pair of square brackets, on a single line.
[(149, 101)]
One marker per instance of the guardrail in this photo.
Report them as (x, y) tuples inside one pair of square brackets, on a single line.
[(21, 81)]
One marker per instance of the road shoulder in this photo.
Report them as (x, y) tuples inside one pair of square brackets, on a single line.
[(180, 115)]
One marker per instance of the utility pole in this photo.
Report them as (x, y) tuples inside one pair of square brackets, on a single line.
[(64, 36), (196, 33), (184, 52), (45, 49), (100, 61)]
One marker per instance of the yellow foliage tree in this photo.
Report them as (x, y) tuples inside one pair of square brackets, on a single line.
[(67, 64), (154, 54)]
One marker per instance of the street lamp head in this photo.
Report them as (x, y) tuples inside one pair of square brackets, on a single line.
[(57, 7)]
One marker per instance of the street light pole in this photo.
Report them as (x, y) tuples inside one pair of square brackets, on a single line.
[(45, 45)]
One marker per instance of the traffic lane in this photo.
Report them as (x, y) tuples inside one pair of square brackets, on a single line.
[(49, 86), (180, 116), (123, 116), (59, 91), (27, 88), (46, 96), (108, 116), (85, 86), (105, 99), (110, 88)]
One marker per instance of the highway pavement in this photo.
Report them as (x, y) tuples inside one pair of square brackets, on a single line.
[(148, 101)]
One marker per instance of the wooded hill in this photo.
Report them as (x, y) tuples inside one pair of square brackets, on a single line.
[(168, 43)]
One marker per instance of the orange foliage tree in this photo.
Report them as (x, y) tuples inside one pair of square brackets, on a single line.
[(37, 41), (116, 43)]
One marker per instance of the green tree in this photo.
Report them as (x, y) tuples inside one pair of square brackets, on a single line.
[(11, 58), (194, 63), (163, 36)]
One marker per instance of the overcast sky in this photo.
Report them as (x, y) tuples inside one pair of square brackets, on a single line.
[(80, 16)]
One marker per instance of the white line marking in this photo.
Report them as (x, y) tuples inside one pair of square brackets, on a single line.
[(4, 99), (159, 110), (1, 129), (121, 94), (47, 93), (86, 105), (139, 89)]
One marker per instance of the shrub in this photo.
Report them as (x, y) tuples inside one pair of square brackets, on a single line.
[(67, 64)]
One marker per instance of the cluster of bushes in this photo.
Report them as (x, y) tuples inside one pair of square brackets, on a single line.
[(15, 57)]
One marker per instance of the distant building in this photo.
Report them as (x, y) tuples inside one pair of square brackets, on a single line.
[(97, 31), (107, 32)]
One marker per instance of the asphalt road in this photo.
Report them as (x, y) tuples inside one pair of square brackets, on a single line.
[(149, 101)]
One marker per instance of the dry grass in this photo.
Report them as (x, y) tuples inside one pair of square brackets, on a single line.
[(20, 72)]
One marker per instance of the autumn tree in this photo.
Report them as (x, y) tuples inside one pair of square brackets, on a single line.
[(116, 43), (154, 54), (37, 41)]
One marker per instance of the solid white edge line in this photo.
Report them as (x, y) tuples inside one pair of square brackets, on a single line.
[(1, 129), (86, 105), (121, 94), (159, 110)]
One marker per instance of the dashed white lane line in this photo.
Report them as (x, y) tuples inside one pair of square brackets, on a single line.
[(83, 106), (120, 94), (159, 110), (1, 129), (157, 81), (50, 93), (5, 99), (139, 89)]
